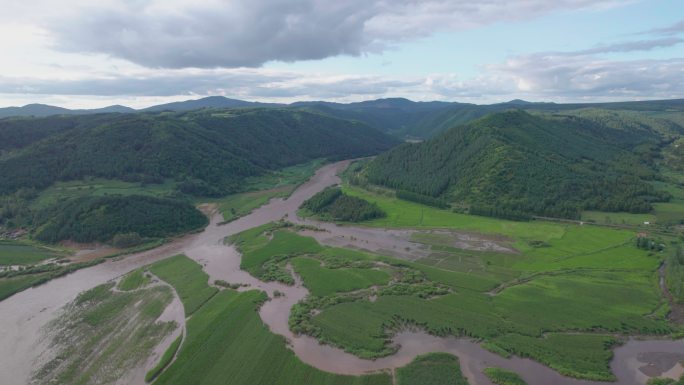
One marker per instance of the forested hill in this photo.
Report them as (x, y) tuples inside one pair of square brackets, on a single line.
[(209, 152), (514, 164)]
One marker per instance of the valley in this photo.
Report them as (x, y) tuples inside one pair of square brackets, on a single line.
[(29, 311)]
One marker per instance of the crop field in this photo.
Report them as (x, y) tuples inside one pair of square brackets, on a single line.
[(189, 280), (322, 281), (574, 355), (672, 212), (608, 218), (133, 280), (567, 279), (432, 369), (289, 177), (261, 256), (503, 377), (99, 187), (227, 343), (237, 205), (20, 253), (103, 334), (165, 359)]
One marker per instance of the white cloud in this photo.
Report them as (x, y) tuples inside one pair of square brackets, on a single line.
[(214, 33)]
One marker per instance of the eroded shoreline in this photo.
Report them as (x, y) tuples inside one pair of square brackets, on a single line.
[(25, 314)]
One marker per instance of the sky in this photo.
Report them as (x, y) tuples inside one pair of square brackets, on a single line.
[(89, 54)]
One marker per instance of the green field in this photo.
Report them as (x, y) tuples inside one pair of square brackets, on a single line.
[(12, 282), (503, 377), (21, 253), (608, 218), (165, 359), (261, 189), (672, 212), (189, 280), (322, 281), (265, 258), (103, 334), (227, 343), (587, 278), (289, 177), (565, 279), (133, 280), (432, 369), (238, 205), (99, 187)]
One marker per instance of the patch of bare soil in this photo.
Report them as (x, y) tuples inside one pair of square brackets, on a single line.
[(86, 252)]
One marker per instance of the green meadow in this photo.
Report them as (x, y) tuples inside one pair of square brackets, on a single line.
[(189, 280), (238, 205), (578, 281), (503, 377), (60, 191), (134, 280), (263, 188), (22, 253), (227, 343), (322, 281), (432, 369)]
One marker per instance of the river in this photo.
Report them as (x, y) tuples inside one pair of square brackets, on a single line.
[(23, 315)]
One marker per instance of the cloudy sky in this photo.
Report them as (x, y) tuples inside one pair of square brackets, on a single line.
[(84, 53)]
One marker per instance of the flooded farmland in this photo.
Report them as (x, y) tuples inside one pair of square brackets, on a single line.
[(23, 315)]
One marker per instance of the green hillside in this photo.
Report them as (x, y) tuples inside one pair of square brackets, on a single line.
[(89, 219), (514, 164), (208, 152)]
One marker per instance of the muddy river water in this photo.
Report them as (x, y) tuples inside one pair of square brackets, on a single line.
[(23, 315)]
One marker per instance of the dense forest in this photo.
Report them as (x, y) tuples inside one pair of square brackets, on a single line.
[(102, 219), (332, 203), (405, 118), (209, 152), (206, 153), (514, 164)]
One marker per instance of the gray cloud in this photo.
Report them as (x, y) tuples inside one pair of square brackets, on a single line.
[(248, 33), (638, 45), (238, 83), (548, 76), (673, 29), (540, 76)]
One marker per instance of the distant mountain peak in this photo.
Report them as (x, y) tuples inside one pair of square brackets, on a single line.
[(519, 101)]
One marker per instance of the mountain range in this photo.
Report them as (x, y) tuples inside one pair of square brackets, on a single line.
[(396, 116)]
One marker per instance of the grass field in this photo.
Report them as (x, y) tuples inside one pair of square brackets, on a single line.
[(227, 343), (672, 212), (566, 278), (586, 279), (608, 218), (188, 278), (575, 355), (99, 187), (238, 205), (264, 257), (432, 369), (103, 334), (133, 280), (261, 189), (165, 360), (15, 281), (289, 176), (322, 281), (21, 253), (503, 377)]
